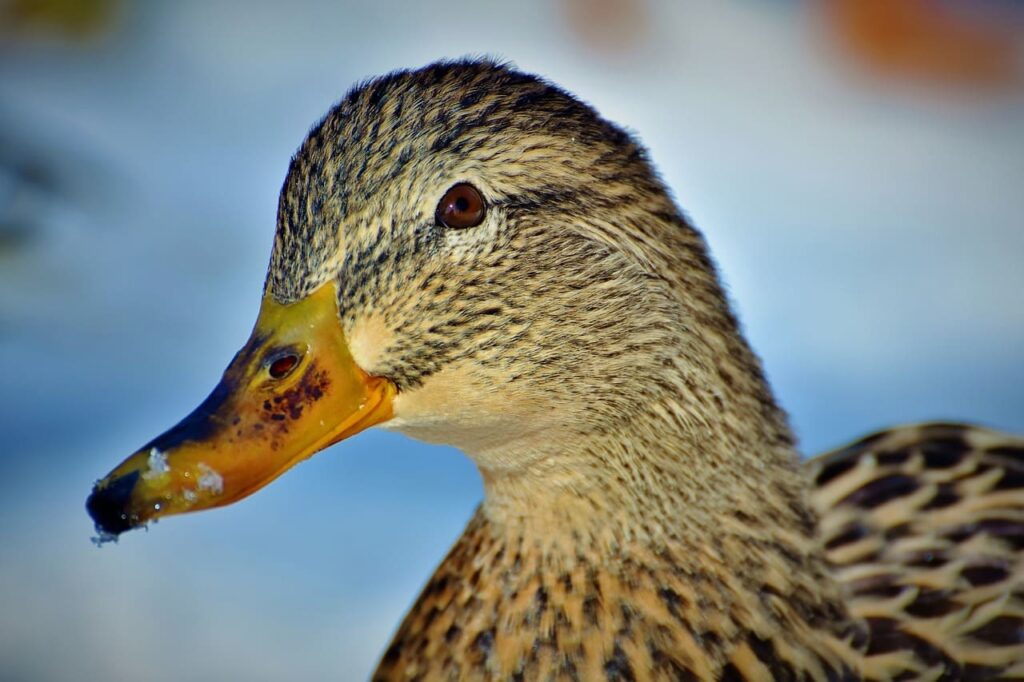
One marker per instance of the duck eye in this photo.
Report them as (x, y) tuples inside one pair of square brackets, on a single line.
[(283, 366), (461, 206)]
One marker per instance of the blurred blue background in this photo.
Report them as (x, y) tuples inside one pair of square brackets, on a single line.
[(865, 203)]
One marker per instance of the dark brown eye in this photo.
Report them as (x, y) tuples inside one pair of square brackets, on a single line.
[(283, 366), (461, 206)]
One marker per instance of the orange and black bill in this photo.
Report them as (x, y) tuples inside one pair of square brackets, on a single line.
[(291, 391)]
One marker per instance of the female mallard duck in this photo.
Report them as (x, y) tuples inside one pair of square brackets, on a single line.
[(472, 256)]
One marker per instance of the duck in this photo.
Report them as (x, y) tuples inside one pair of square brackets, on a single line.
[(471, 255)]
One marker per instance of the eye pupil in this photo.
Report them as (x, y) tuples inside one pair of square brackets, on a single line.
[(461, 206), (282, 367)]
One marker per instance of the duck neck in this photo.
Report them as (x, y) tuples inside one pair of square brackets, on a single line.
[(568, 571), (715, 518), (656, 480)]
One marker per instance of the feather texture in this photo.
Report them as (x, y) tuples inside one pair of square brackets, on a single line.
[(924, 526)]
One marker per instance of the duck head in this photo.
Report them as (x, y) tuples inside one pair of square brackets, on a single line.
[(474, 257)]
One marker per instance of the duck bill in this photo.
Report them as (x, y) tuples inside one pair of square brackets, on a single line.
[(291, 391)]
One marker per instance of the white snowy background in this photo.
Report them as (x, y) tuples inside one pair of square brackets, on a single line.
[(872, 237)]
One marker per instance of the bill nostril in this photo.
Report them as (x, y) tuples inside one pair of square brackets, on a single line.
[(283, 366), (109, 506)]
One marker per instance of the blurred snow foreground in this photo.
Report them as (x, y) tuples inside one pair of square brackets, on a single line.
[(855, 166)]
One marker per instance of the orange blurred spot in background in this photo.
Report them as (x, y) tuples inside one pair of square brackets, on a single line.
[(611, 27), (962, 43)]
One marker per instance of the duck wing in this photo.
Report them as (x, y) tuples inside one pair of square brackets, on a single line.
[(924, 528)]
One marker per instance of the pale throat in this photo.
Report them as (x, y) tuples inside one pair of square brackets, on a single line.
[(666, 471), (539, 466)]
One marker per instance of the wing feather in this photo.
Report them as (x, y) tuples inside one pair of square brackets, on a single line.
[(924, 527)]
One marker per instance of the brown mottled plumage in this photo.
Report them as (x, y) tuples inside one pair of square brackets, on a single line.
[(646, 514), (924, 526)]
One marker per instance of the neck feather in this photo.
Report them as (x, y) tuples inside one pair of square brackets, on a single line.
[(640, 553)]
